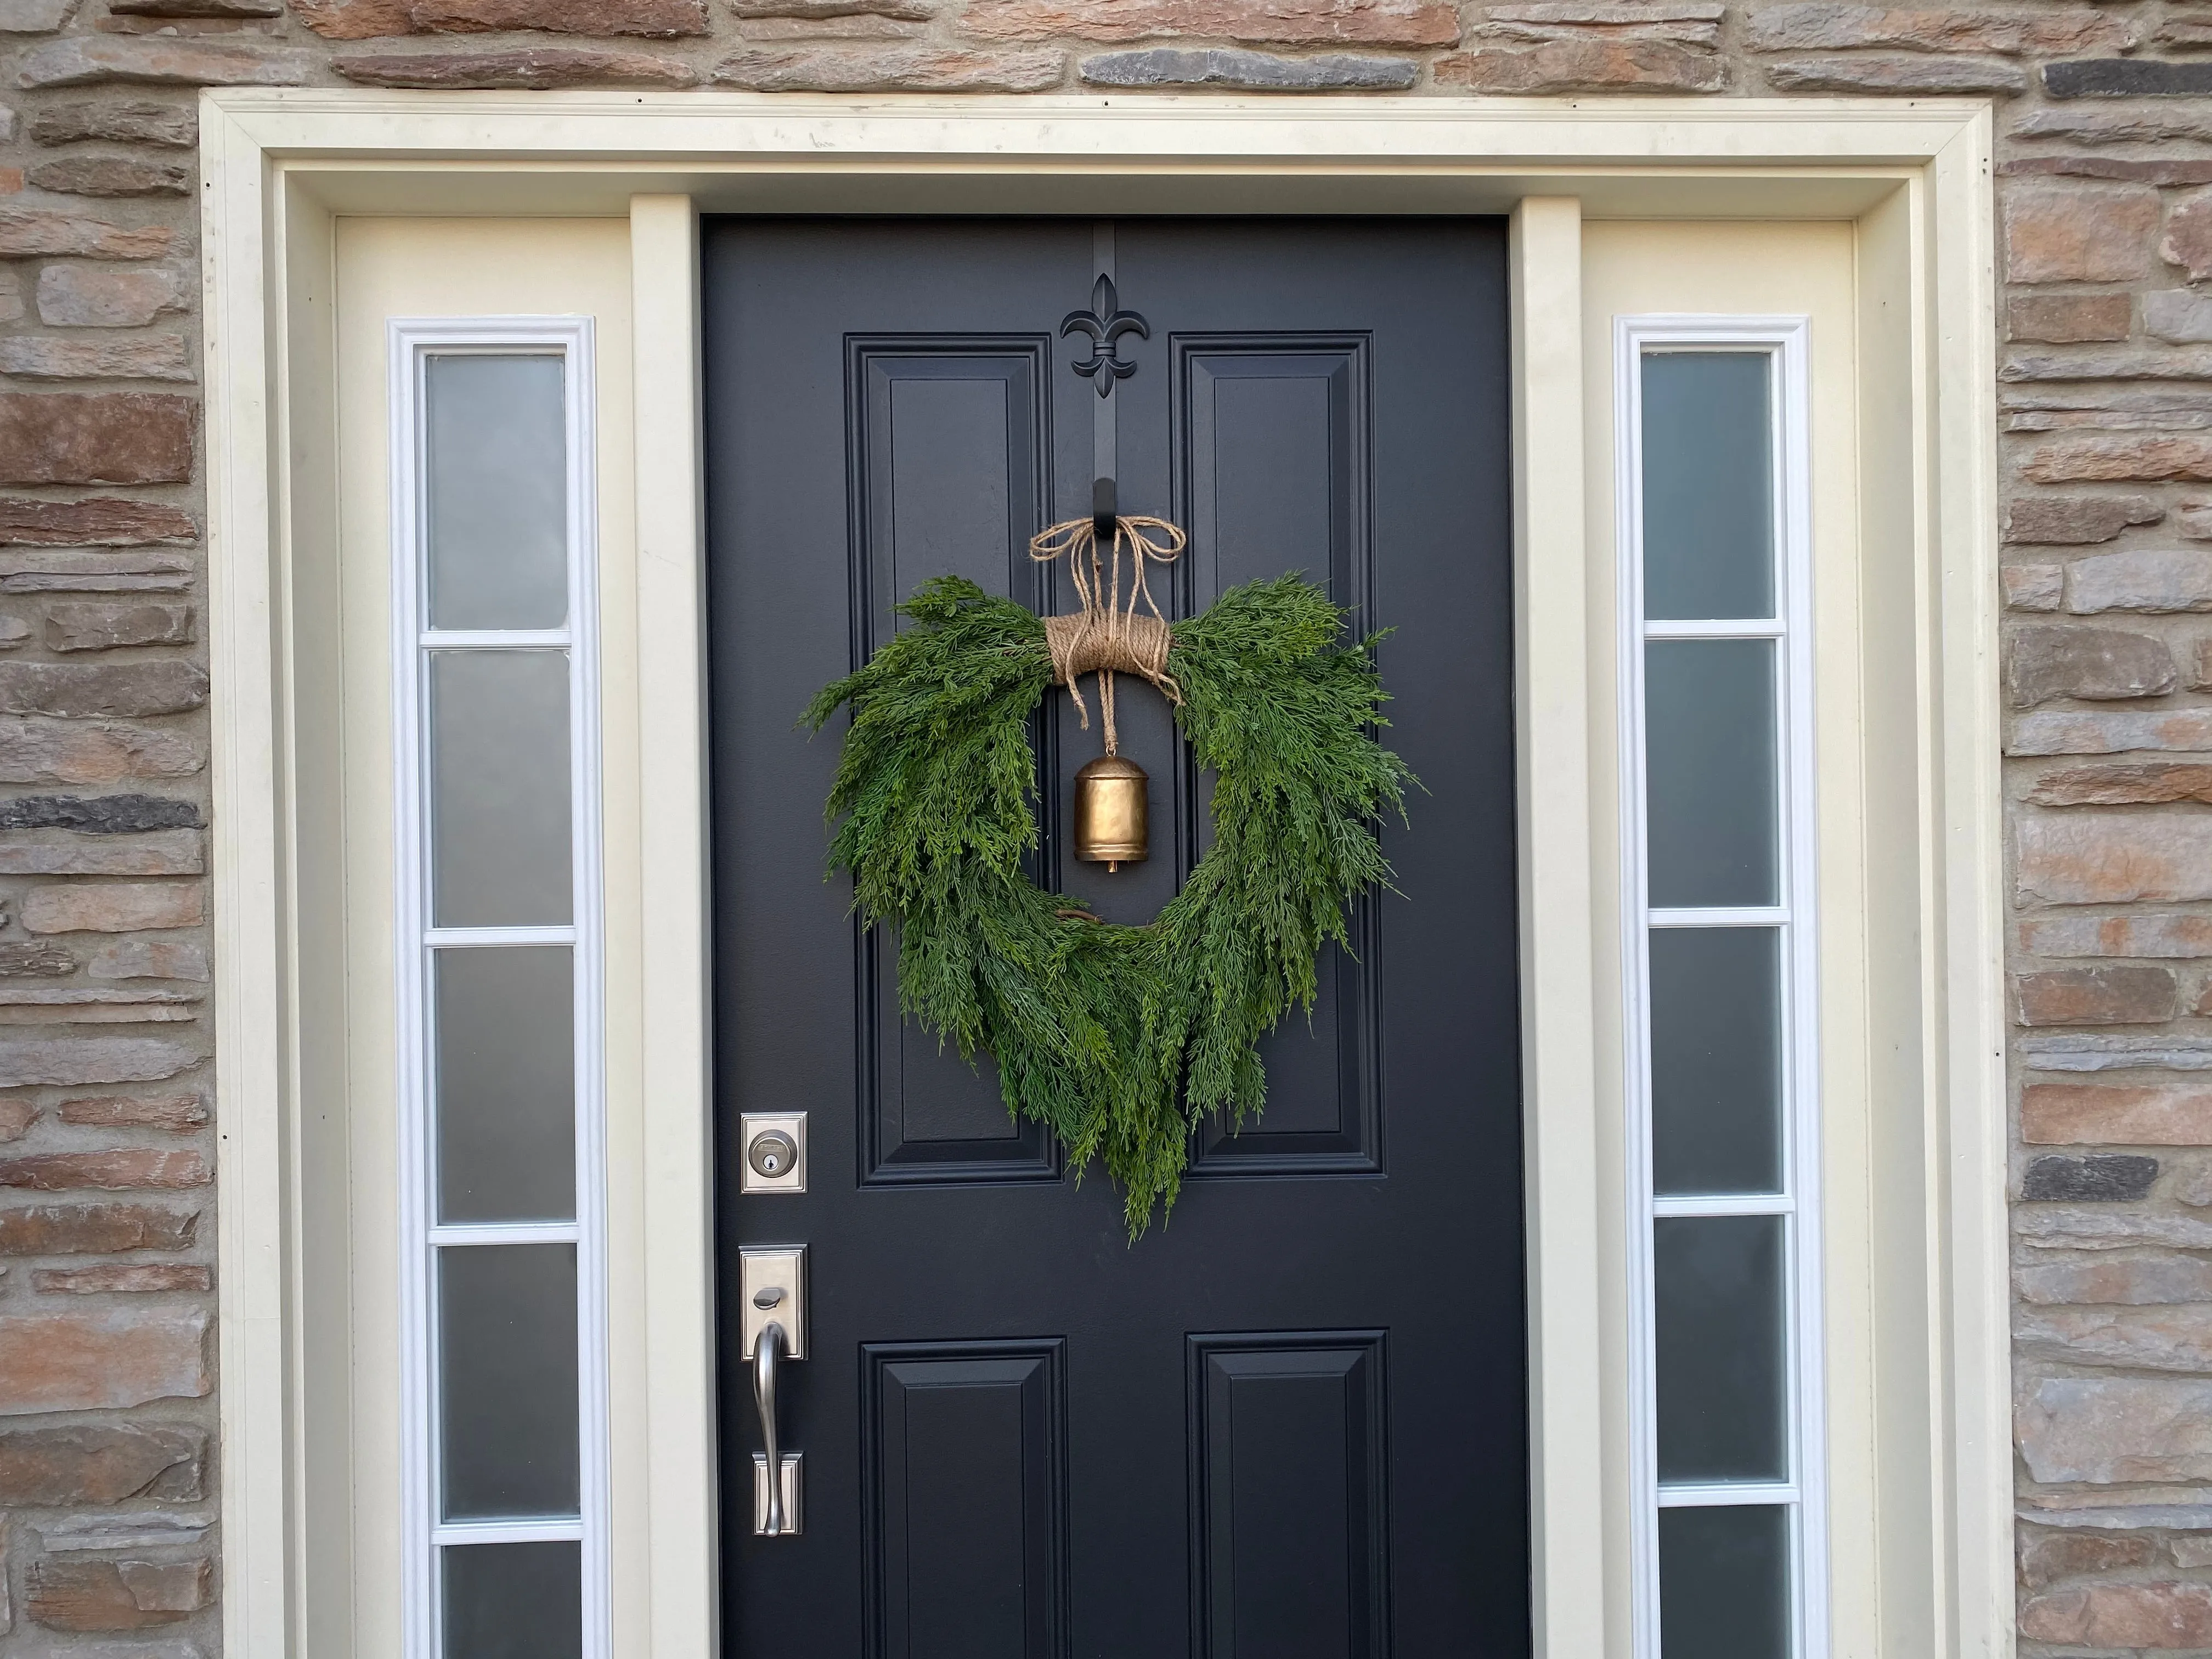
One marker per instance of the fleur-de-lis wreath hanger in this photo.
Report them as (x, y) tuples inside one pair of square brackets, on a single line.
[(1104, 324)]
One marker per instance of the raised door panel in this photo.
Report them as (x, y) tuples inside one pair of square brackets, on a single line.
[(1288, 1504), (947, 459), (1274, 477), (965, 1505)]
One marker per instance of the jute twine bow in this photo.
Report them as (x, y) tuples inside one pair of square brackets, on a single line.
[(1104, 637)]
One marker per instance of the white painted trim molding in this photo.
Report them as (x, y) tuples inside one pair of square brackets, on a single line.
[(277, 166)]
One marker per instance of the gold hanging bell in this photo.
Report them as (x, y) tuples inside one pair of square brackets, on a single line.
[(1111, 812)]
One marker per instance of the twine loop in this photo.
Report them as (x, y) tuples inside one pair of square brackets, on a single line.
[(1105, 637)]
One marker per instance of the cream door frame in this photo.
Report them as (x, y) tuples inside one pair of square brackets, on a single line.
[(1913, 175)]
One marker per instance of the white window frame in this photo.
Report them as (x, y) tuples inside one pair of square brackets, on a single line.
[(413, 342), (1785, 343)]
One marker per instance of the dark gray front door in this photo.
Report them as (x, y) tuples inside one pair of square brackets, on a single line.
[(1289, 1424)]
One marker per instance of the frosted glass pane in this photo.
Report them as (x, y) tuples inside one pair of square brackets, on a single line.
[(496, 479), (1708, 485), (499, 789), (1710, 771), (514, 1602), (1724, 1582), (506, 1085), (1723, 1379), (506, 1366), (1716, 1060)]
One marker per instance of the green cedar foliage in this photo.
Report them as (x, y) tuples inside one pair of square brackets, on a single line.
[(1121, 1039)]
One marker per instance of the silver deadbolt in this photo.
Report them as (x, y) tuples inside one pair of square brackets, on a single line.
[(772, 1153), (775, 1152)]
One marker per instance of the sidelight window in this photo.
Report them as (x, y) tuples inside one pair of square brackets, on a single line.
[(1721, 1133), (504, 1484)]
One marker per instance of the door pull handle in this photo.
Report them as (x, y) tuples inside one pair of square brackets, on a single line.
[(776, 1502), (772, 1283)]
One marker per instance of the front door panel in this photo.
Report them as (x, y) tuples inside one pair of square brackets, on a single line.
[(1290, 1422)]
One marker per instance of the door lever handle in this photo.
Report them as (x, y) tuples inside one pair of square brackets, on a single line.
[(768, 1348), (772, 1318)]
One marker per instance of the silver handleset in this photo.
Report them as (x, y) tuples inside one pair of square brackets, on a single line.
[(772, 1284)]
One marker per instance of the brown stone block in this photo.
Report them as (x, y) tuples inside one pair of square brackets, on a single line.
[(2136, 784), (123, 1278), (2106, 858), (2129, 993), (2108, 1431), (100, 1463), (1279, 22), (2095, 664), (2131, 1281), (114, 907), (101, 1361), (2188, 239), (870, 69), (104, 627), (2170, 1338), (70, 571), (535, 69), (68, 751), (2081, 234), (2061, 319), (75, 689), (94, 1229), (34, 1062), (27, 233), (2163, 170), (91, 1595), (95, 522), (111, 175), (65, 852), (361, 20), (2100, 1115), (2033, 586), (2075, 521), (1584, 65), (160, 60), (1686, 21), (176, 125), (2161, 1615), (118, 1168), (96, 437), (2045, 1558), (1829, 27), (2152, 363), (176, 1112), (2153, 579), (1893, 73), (142, 358), (150, 959), (2168, 934), (16, 1117), (2081, 460)]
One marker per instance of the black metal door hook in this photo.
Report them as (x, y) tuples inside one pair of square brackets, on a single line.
[(1105, 325)]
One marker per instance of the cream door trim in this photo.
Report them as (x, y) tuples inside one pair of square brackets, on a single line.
[(1913, 177)]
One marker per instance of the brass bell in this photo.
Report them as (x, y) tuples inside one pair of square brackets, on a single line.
[(1110, 812)]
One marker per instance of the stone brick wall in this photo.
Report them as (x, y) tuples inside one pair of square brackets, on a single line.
[(106, 1101)]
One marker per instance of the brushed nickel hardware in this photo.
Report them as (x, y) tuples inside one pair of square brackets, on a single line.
[(775, 1152)]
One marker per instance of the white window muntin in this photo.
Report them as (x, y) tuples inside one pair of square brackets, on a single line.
[(414, 343), (1783, 340)]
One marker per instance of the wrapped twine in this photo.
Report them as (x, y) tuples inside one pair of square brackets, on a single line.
[(1104, 637)]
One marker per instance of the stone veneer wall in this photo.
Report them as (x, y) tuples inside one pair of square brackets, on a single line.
[(107, 1102)]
